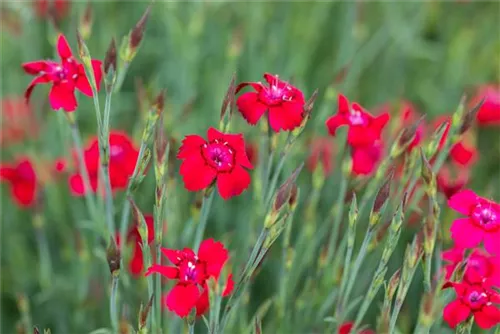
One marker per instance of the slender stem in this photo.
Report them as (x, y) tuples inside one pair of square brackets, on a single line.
[(113, 303), (205, 210), (274, 181), (75, 133), (43, 249), (121, 76), (191, 327), (105, 166), (338, 207)]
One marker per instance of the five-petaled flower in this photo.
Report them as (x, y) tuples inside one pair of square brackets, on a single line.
[(122, 159), (191, 272), (474, 296), (64, 76), (22, 179), (482, 222), (222, 158), (489, 113), (364, 128), (283, 102)]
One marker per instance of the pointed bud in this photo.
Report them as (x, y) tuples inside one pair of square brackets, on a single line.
[(135, 37), (380, 199), (405, 138), (426, 172), (160, 146), (469, 117), (86, 22), (436, 138), (228, 99), (393, 284), (139, 220), (110, 58), (83, 51), (416, 251), (308, 106), (294, 194), (144, 312), (285, 190), (113, 257), (36, 330), (457, 117)]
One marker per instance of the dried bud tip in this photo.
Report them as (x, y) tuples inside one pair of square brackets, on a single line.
[(159, 102), (310, 103), (229, 98), (470, 116), (383, 193), (393, 283), (113, 257), (409, 132), (427, 173), (138, 31), (143, 316), (285, 190), (110, 58)]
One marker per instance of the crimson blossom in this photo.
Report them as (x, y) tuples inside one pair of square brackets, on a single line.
[(222, 159), (65, 77), (122, 159), (283, 102), (364, 128), (22, 179), (191, 272), (489, 113), (474, 297), (482, 222)]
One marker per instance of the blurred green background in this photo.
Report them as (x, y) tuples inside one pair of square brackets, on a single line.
[(429, 53)]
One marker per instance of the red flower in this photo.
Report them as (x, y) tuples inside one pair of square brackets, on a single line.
[(284, 103), (346, 328), (321, 151), (461, 153), (478, 265), (191, 271), (364, 128), (18, 121), (450, 183), (489, 113), (366, 159), (482, 223), (122, 160), (136, 265), (476, 298), (58, 8), (222, 158), (64, 76), (22, 179)]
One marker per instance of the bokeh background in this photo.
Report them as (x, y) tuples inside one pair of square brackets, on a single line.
[(429, 53)]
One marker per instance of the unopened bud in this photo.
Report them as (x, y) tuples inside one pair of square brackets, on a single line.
[(469, 117), (86, 22), (416, 251), (144, 312), (139, 220), (436, 139), (308, 106), (426, 172), (285, 190), (136, 36), (393, 284), (380, 199), (160, 146), (405, 138), (294, 194), (110, 58), (83, 51), (113, 257)]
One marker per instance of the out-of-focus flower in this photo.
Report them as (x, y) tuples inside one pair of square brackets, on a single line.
[(346, 328), (22, 180), (122, 159), (473, 297), (222, 158), (191, 272), (364, 128), (284, 103), (365, 159), (478, 264), (482, 222), (462, 152), (451, 179), (489, 113), (18, 121), (408, 115), (65, 77), (252, 151), (136, 264), (56, 8), (321, 152)]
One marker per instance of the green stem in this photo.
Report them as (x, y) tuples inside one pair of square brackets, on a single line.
[(105, 147), (43, 250), (191, 327), (121, 76), (205, 210), (274, 181), (338, 207), (113, 303)]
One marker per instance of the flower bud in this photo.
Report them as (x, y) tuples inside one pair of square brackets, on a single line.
[(393, 284), (85, 26), (83, 50), (380, 199), (135, 37), (436, 138), (155, 111), (143, 314), (405, 138), (427, 174), (110, 67), (113, 257), (308, 106), (285, 190), (228, 101), (469, 117), (161, 146), (142, 227)]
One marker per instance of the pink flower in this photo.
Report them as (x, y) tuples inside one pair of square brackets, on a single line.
[(22, 179), (65, 77), (222, 158), (365, 159), (462, 153), (476, 298), (191, 272), (482, 222), (364, 128), (283, 102), (489, 113)]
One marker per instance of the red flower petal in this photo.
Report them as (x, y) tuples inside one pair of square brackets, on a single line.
[(287, 116), (342, 104), (380, 121), (38, 80), (229, 286), (491, 242), (62, 95), (174, 256), (35, 67), (24, 193), (97, 67), (203, 302), (361, 136), (137, 262), (7, 173), (182, 298), (334, 122), (167, 271), (463, 201), (455, 313), (196, 174), (233, 183), (465, 234), (82, 82), (487, 317), (214, 254), (250, 107), (191, 144), (63, 48), (237, 143)]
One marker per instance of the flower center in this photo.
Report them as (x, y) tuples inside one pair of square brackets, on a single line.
[(277, 93), (486, 217), (356, 117), (480, 265), (190, 270), (115, 151), (476, 298), (219, 155)]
